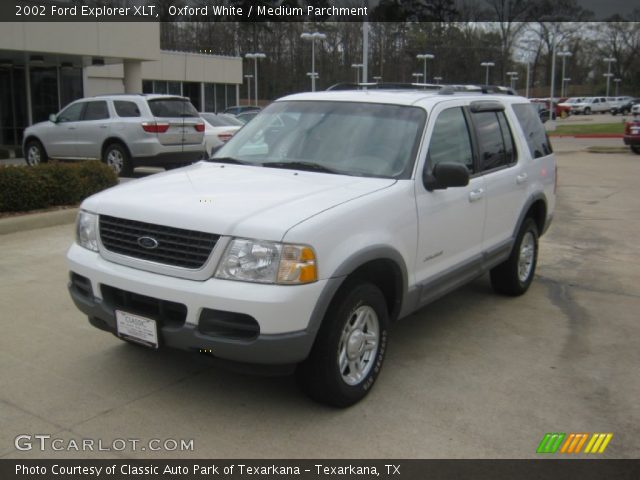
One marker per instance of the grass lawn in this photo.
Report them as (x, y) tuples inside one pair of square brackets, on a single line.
[(589, 129)]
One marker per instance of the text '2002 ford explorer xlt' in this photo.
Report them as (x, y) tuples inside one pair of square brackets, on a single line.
[(320, 223)]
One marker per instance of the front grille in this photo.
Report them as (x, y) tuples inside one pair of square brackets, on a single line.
[(167, 313), (175, 246)]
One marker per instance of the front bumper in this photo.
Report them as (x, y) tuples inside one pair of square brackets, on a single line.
[(288, 316)]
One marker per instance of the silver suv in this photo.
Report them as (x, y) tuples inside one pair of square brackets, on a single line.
[(124, 131)]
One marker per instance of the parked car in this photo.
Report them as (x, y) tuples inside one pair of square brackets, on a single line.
[(124, 131), (635, 109), (542, 110), (246, 117), (591, 105), (219, 128), (632, 135), (625, 107), (319, 224), (616, 104), (241, 109)]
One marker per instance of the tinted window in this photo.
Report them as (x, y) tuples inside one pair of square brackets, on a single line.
[(491, 145), (450, 140), (72, 113), (96, 111), (172, 107), (126, 109), (537, 139), (507, 138)]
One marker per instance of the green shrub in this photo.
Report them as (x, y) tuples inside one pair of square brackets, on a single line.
[(52, 184)]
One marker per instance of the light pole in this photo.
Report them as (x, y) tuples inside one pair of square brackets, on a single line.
[(565, 84), (528, 79), (437, 79), (255, 57), (609, 61), (487, 65), (511, 75), (564, 54), (417, 77), (357, 66), (424, 57), (313, 37), (248, 77), (617, 82)]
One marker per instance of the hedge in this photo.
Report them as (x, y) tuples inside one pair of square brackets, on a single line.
[(52, 184)]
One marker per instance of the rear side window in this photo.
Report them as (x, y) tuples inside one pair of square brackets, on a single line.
[(172, 107), (450, 141), (495, 145), (537, 138), (126, 109), (96, 111)]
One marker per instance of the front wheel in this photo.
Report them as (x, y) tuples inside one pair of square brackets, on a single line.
[(117, 157), (514, 275), (350, 348), (34, 153), (635, 149), (587, 111)]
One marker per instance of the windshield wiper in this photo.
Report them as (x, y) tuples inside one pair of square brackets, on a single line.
[(310, 166), (231, 160)]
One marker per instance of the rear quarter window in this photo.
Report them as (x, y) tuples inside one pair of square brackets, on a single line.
[(126, 109), (534, 132)]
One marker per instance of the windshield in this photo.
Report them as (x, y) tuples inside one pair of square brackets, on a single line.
[(349, 138)]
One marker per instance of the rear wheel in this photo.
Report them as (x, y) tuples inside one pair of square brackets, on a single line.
[(35, 153), (514, 275), (349, 349), (117, 157), (635, 149)]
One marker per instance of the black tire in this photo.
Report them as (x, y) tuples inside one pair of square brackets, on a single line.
[(117, 157), (34, 153), (635, 149), (587, 111), (320, 376), (506, 278)]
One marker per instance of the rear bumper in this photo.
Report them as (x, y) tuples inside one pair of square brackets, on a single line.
[(170, 158)]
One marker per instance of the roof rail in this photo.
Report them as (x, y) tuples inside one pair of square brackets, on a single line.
[(441, 89)]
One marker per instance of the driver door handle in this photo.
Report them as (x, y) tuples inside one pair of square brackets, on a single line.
[(476, 195)]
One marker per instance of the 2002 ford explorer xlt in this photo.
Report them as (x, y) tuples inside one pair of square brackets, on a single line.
[(321, 222)]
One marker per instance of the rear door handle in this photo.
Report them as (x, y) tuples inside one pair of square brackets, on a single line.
[(521, 178), (104, 126), (476, 195)]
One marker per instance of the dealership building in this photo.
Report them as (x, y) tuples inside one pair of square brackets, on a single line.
[(44, 66)]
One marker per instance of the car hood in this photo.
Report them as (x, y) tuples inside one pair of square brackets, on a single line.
[(237, 200)]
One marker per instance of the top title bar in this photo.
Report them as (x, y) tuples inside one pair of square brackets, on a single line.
[(310, 10)]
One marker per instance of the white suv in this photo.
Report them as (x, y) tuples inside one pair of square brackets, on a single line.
[(320, 223), (124, 131)]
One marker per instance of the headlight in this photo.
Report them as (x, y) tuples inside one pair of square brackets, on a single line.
[(267, 262), (87, 230)]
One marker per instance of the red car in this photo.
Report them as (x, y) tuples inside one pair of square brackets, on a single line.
[(632, 135)]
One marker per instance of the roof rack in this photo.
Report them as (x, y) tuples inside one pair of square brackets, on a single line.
[(439, 88)]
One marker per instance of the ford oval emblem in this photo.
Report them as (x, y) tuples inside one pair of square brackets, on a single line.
[(148, 242)]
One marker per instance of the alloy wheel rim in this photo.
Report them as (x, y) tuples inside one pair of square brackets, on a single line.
[(525, 259), (115, 160), (33, 155), (358, 346)]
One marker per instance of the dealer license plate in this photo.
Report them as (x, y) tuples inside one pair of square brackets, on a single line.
[(137, 329)]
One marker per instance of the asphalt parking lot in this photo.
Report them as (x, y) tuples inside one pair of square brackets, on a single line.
[(473, 375)]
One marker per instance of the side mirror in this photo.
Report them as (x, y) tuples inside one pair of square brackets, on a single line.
[(53, 118), (445, 175)]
